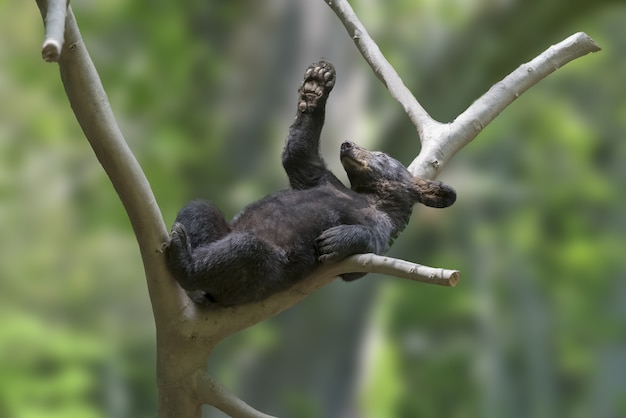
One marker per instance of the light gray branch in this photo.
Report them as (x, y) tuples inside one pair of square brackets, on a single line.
[(53, 13), (211, 392), (204, 327), (373, 263), (227, 321), (93, 112), (441, 141), (381, 67)]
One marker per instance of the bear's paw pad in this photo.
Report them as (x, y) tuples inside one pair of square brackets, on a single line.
[(319, 80)]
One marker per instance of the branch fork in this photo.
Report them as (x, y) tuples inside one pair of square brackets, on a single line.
[(186, 333), (440, 141)]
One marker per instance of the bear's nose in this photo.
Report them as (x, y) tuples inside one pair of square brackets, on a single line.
[(347, 145)]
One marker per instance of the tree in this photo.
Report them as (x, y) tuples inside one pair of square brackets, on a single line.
[(186, 334)]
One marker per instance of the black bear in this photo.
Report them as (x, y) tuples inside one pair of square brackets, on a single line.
[(277, 241)]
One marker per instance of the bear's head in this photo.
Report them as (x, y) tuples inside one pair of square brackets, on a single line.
[(373, 172)]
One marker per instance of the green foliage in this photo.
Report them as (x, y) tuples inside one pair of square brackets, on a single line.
[(47, 371)]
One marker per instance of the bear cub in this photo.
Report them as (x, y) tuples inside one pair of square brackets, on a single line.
[(275, 242)]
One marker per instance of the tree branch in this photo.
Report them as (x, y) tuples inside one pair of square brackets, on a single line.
[(212, 393), (444, 141), (53, 13), (373, 263), (441, 141), (381, 67), (93, 112), (227, 321)]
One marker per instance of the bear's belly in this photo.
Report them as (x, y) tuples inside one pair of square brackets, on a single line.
[(295, 218)]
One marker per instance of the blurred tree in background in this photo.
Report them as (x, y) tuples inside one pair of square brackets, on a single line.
[(204, 92)]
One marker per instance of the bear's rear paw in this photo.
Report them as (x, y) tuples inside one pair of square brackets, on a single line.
[(179, 236), (319, 80), (178, 249), (201, 297)]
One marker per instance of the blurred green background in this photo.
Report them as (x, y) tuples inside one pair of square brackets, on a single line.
[(205, 91)]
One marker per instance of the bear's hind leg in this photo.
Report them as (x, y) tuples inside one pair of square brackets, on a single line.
[(236, 269), (178, 252), (198, 223), (203, 222)]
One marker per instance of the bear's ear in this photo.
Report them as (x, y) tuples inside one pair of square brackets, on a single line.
[(433, 193)]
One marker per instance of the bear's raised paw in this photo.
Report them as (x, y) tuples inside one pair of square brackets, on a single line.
[(319, 80)]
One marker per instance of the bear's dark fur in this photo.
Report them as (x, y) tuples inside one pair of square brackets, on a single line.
[(282, 238)]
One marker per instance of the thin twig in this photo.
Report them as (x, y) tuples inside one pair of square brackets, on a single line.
[(53, 13), (381, 67), (373, 263), (213, 393)]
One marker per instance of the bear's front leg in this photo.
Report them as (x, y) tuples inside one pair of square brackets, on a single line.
[(301, 158), (338, 242)]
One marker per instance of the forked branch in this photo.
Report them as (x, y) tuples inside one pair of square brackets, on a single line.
[(441, 141)]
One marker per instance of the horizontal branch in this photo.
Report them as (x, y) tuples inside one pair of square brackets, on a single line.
[(204, 327), (227, 321), (373, 263)]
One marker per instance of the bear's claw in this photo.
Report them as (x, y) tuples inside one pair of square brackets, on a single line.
[(179, 240)]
